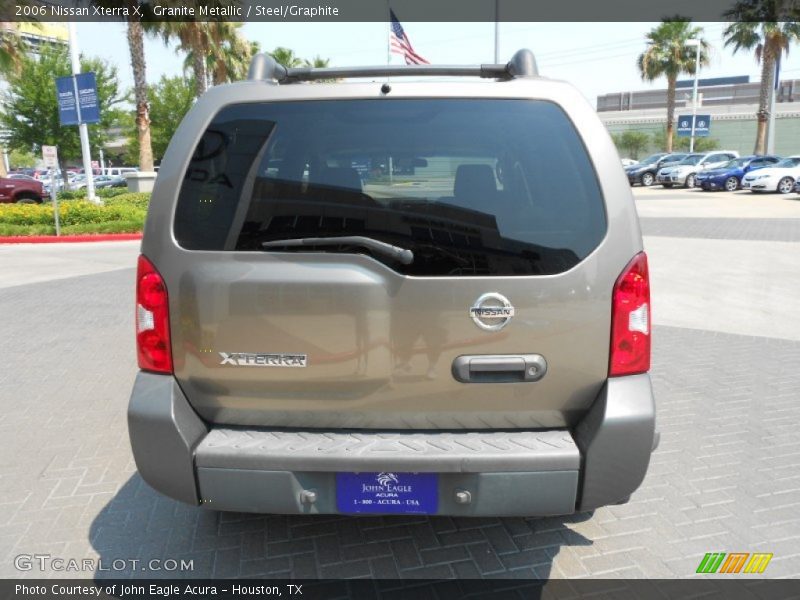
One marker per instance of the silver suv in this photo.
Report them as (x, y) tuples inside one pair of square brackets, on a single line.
[(380, 297)]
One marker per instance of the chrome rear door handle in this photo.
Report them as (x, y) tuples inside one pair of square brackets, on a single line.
[(499, 368)]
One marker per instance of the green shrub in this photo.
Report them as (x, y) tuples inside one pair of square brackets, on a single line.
[(137, 199), (99, 192), (124, 213), (7, 229), (72, 195), (109, 192)]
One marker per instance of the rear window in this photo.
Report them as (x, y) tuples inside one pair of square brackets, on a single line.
[(471, 187)]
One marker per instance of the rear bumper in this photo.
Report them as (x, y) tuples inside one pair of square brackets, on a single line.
[(601, 461)]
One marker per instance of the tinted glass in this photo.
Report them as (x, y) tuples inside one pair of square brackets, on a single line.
[(737, 162), (652, 158), (472, 187), (788, 163), (691, 160)]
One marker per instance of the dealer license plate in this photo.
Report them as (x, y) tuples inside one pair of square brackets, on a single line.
[(387, 493)]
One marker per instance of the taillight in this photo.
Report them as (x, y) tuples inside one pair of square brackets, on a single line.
[(152, 319), (630, 320)]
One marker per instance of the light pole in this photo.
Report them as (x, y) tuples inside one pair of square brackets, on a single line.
[(697, 44), (83, 130)]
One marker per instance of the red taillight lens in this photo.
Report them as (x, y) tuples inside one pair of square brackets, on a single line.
[(152, 319), (630, 320)]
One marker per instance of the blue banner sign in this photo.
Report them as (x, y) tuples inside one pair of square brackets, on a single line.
[(67, 107), (87, 107), (701, 129)]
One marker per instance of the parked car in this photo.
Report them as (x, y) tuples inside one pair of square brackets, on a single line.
[(21, 176), (119, 171), (644, 171), (684, 172), (103, 181), (780, 178), (279, 318), (729, 176), (629, 162), (23, 191)]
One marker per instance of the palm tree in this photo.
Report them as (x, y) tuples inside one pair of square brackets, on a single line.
[(192, 37), (136, 47), (286, 57), (764, 28), (12, 49), (135, 34), (227, 60), (317, 62), (668, 55), (231, 58)]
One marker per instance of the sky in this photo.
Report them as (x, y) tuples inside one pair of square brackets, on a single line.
[(598, 58)]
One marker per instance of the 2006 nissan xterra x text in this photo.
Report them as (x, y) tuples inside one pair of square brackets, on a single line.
[(390, 297)]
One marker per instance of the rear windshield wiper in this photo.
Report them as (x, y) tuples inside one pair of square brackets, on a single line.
[(402, 255)]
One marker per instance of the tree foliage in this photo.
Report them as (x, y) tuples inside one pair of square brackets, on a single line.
[(668, 55), (22, 159), (765, 28), (286, 57), (631, 142), (701, 144), (171, 99), (30, 105), (216, 50)]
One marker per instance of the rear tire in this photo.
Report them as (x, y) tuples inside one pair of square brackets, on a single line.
[(648, 179), (786, 185), (689, 183), (28, 199), (731, 184)]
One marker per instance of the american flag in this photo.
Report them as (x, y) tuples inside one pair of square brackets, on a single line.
[(400, 44)]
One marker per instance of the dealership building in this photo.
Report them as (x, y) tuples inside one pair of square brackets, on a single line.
[(732, 103)]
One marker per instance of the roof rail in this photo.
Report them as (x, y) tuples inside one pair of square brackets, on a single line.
[(265, 68)]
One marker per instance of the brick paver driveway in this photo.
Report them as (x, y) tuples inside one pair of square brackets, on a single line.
[(725, 477)]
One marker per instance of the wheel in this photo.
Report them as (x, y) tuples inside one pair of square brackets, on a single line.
[(26, 199), (731, 184), (689, 180), (647, 179), (786, 185)]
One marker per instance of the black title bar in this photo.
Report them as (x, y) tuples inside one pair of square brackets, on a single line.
[(378, 10)]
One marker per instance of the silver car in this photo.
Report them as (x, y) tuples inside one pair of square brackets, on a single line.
[(379, 298), (685, 172)]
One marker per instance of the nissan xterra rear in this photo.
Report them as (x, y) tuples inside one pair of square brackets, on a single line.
[(393, 297)]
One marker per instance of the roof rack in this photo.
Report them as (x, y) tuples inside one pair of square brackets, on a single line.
[(265, 68)]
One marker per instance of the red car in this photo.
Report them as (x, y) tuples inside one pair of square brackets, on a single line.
[(20, 190)]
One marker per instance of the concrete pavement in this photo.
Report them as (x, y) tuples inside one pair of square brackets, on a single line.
[(723, 480)]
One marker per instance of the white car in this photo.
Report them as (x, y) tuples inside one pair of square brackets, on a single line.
[(779, 178), (629, 162), (685, 171)]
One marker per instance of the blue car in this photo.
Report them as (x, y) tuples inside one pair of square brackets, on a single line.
[(729, 176)]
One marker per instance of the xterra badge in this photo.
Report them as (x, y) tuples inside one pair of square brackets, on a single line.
[(247, 359)]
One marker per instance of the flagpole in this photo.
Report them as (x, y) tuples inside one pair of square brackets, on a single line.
[(496, 31), (388, 35)]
